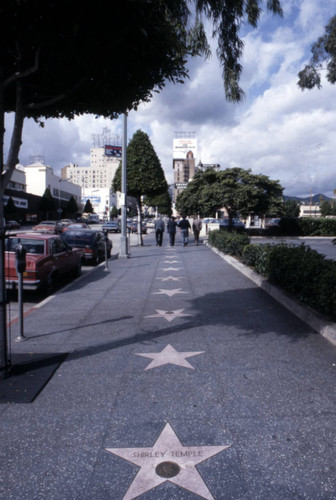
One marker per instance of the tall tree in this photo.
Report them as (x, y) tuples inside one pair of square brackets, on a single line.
[(88, 209), (237, 190), (291, 208), (145, 176), (323, 58), (71, 206), (47, 203), (163, 202)]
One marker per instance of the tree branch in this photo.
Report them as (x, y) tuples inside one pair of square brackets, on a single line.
[(23, 74)]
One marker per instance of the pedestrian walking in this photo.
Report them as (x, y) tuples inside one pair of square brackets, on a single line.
[(197, 226), (184, 225), (159, 230), (171, 230)]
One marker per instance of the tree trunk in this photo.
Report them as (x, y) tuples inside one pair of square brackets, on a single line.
[(5, 175), (139, 207)]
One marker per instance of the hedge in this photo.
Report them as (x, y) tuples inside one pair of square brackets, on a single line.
[(232, 243), (302, 272), (292, 226)]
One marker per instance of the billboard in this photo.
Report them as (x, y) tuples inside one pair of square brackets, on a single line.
[(114, 151), (184, 145)]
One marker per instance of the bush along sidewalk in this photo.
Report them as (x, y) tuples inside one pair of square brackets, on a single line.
[(300, 271)]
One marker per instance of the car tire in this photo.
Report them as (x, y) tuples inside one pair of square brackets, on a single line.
[(52, 283), (96, 259), (78, 269)]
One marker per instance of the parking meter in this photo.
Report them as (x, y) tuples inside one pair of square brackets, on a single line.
[(20, 260), (106, 238), (20, 264)]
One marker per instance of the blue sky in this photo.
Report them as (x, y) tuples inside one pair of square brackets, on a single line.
[(278, 130)]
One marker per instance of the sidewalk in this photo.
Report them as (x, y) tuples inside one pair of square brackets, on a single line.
[(168, 376)]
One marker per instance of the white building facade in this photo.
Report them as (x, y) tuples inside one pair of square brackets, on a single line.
[(96, 179), (39, 177), (99, 174)]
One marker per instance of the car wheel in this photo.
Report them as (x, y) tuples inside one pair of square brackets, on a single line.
[(52, 283), (78, 268), (96, 259)]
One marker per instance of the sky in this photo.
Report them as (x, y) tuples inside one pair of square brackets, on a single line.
[(277, 130)]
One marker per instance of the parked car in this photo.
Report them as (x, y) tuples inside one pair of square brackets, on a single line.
[(76, 225), (150, 223), (272, 223), (134, 227), (48, 258), (91, 241), (12, 224), (210, 220), (112, 226), (49, 226), (236, 224)]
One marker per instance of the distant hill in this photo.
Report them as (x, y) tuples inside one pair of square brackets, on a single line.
[(315, 199)]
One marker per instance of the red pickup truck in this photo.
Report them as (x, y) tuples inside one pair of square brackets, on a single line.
[(48, 258)]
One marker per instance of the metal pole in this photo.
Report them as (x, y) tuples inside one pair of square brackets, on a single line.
[(20, 303), (4, 354), (123, 237)]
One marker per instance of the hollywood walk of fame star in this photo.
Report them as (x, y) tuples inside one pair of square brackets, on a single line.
[(170, 278), (169, 356), (168, 460), (172, 269), (170, 293), (168, 315)]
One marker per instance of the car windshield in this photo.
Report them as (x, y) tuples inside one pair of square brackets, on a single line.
[(78, 237), (47, 223), (29, 244)]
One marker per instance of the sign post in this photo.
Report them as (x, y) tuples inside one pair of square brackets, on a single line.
[(123, 237)]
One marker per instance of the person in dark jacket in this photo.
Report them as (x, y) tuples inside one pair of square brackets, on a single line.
[(197, 226), (159, 229), (184, 225), (171, 230)]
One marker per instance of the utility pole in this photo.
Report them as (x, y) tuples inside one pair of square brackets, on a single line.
[(123, 237)]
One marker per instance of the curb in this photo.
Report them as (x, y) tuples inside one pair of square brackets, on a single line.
[(325, 328)]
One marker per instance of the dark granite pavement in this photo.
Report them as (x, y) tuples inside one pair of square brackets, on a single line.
[(168, 376)]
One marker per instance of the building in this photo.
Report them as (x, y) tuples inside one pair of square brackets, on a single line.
[(40, 177), (102, 200), (101, 171), (203, 167), (310, 210), (184, 160), (96, 179)]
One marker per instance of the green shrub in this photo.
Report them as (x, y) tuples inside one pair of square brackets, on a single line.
[(318, 227), (257, 257), (299, 270), (290, 226), (232, 243)]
